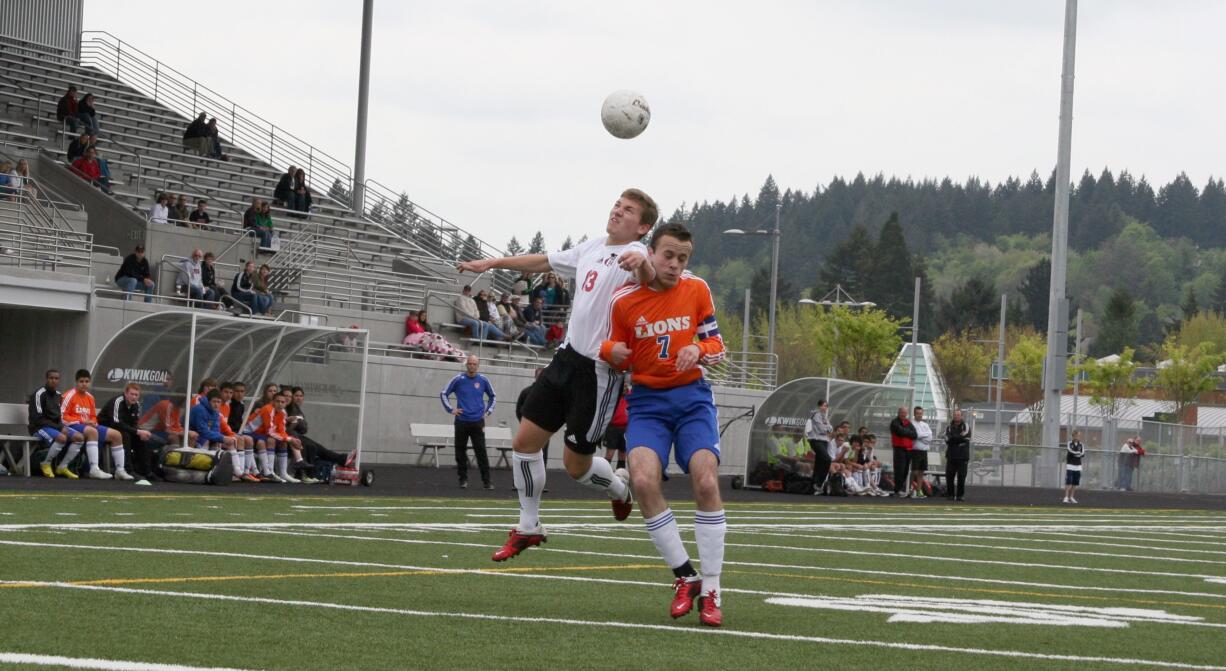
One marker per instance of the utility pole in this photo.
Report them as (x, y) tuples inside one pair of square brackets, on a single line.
[(1057, 308), (1000, 374), (914, 339), (745, 338), (358, 193)]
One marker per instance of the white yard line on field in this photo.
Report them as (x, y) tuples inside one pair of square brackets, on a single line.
[(672, 629), (108, 664)]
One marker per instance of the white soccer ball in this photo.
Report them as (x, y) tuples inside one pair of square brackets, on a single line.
[(625, 114)]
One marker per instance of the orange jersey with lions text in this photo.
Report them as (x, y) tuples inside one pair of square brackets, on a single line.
[(656, 325)]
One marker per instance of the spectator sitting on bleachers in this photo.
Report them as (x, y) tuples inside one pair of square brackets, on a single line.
[(300, 197), (487, 310), (90, 170), (196, 137), (263, 285), (208, 277), (562, 295), (244, 290), (199, 215), (285, 187), (66, 109), (191, 278), (8, 191), (468, 316), (250, 214), (508, 315), (178, 210), (263, 227), (76, 148), (20, 179), (159, 212), (547, 290), (521, 285), (418, 334), (555, 334), (215, 141), (534, 323), (133, 274), (87, 115)]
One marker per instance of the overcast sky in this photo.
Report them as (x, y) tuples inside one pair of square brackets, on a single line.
[(488, 112)]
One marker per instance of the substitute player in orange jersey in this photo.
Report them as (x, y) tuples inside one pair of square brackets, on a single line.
[(80, 415), (665, 331)]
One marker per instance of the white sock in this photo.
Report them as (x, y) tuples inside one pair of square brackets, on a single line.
[(117, 457), (249, 458), (73, 450), (528, 471), (709, 530), (236, 460), (667, 539), (282, 463), (600, 476), (91, 453), (261, 458), (53, 452)]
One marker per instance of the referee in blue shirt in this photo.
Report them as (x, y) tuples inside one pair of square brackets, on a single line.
[(474, 402)]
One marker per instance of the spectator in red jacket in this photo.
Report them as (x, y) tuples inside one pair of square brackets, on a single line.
[(902, 437), (66, 109), (90, 170)]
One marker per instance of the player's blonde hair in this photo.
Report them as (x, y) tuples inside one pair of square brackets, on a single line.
[(651, 211)]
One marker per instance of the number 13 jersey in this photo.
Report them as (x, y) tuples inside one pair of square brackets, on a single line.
[(593, 267)]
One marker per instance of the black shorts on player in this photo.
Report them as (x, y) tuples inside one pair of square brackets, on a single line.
[(578, 392)]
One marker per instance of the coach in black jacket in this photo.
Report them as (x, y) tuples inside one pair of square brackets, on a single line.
[(296, 425), (122, 413), (957, 456)]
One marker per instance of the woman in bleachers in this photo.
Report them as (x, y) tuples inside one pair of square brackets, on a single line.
[(243, 289), (419, 335), (263, 286), (300, 196), (87, 115), (20, 178), (263, 226), (159, 212)]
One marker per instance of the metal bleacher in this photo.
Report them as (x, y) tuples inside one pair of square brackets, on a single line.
[(384, 258)]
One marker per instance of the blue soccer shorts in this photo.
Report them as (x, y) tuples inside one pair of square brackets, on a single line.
[(80, 428), (680, 420), (48, 434)]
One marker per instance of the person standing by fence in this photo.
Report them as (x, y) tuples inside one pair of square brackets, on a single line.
[(957, 456), (1072, 467)]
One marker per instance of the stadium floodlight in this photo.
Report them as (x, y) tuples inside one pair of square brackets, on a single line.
[(770, 345)]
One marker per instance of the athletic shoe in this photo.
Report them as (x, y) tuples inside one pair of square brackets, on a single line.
[(308, 480), (47, 471), (63, 472), (685, 591), (121, 474), (143, 483), (265, 477), (1065, 500), (517, 543), (287, 478), (276, 478), (99, 474), (622, 509), (709, 614), (248, 477), (488, 486), (463, 484), (1072, 500)]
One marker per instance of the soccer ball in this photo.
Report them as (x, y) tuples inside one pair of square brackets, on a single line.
[(625, 114)]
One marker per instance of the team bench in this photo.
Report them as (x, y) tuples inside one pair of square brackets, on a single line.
[(434, 437), (15, 415)]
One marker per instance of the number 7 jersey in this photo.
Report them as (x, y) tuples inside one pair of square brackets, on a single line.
[(656, 325)]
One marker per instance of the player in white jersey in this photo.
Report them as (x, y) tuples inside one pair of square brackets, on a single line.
[(577, 389)]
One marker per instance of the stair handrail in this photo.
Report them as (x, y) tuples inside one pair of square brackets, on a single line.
[(187, 97)]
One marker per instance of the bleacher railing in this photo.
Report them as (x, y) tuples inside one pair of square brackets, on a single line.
[(30, 239), (432, 233), (752, 370), (187, 97)]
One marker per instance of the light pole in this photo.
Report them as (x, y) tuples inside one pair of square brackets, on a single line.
[(836, 296), (770, 344)]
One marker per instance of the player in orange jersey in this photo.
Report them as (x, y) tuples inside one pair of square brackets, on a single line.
[(665, 331), (267, 428), (81, 415)]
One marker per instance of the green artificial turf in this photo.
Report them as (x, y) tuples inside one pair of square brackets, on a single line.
[(562, 605)]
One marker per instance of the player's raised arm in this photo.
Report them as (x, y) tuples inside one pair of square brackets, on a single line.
[(528, 263), (635, 261)]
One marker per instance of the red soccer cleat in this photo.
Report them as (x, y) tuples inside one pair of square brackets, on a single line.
[(683, 598), (622, 509), (517, 543), (709, 613)]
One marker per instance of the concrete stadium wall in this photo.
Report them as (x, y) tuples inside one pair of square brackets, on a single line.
[(35, 340)]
